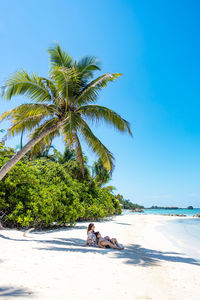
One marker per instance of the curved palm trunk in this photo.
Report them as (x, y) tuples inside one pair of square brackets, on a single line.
[(21, 139), (80, 156), (12, 162)]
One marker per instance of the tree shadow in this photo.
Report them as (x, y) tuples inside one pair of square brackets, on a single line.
[(12, 239), (137, 255), (75, 245), (133, 254), (120, 223), (77, 250), (9, 291), (66, 228)]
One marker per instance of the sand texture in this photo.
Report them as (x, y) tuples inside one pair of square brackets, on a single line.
[(55, 264)]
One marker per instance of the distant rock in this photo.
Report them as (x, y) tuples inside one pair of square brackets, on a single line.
[(171, 207), (175, 215), (137, 210), (197, 216), (190, 207)]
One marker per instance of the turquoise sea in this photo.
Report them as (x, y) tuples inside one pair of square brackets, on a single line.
[(183, 232), (183, 211)]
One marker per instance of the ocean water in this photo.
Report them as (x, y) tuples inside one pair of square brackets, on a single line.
[(182, 232), (185, 234), (183, 211)]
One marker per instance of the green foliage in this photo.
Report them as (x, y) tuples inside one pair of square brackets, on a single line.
[(100, 173), (64, 99), (43, 193), (127, 204)]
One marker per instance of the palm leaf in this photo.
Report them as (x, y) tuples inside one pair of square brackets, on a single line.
[(87, 66), (95, 144), (70, 127), (31, 86), (39, 147), (99, 113), (26, 124), (90, 92), (65, 80), (110, 188), (59, 57)]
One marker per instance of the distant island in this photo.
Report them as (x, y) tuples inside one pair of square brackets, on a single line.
[(163, 207), (127, 204), (168, 207)]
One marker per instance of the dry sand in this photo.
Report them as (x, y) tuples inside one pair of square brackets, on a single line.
[(56, 265)]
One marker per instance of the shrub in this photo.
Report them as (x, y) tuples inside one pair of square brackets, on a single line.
[(41, 193)]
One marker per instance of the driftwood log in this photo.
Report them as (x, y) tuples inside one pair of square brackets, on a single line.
[(28, 231)]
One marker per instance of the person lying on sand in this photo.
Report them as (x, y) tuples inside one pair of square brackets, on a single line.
[(105, 243), (112, 240)]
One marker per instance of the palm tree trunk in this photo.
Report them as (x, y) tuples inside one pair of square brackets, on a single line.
[(12, 162), (21, 139), (80, 156)]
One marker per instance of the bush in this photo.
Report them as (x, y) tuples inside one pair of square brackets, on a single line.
[(41, 193)]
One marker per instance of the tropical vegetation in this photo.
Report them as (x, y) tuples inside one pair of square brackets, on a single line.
[(40, 186), (63, 104), (50, 191)]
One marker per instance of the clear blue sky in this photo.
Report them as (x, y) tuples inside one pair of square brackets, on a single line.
[(156, 45)]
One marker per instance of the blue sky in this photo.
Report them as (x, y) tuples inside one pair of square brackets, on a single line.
[(156, 45)]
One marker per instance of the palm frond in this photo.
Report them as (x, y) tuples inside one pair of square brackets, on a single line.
[(58, 57), (95, 144), (99, 113), (30, 110), (70, 127), (39, 147), (65, 80), (87, 66), (25, 124), (110, 188), (31, 86), (47, 124), (27, 116), (50, 86), (90, 92)]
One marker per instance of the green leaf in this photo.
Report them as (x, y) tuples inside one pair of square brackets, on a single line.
[(58, 57), (31, 86), (99, 113)]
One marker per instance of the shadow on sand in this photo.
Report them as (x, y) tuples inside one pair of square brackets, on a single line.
[(137, 255), (76, 245), (9, 291), (132, 254), (61, 229), (120, 223)]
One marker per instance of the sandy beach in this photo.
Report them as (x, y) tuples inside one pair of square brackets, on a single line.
[(55, 264)]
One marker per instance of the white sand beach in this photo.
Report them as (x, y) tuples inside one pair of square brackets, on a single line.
[(55, 265)]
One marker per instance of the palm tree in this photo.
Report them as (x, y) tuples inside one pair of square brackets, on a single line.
[(62, 104), (101, 176)]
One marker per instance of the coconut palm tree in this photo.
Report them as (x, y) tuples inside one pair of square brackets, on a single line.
[(101, 176), (63, 104)]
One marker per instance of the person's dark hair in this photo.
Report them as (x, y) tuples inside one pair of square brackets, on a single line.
[(90, 227), (97, 233)]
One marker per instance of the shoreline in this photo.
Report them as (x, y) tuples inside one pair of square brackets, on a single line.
[(54, 264)]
